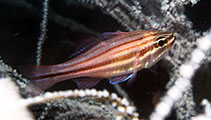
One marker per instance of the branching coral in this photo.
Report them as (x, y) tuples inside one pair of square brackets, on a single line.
[(77, 104), (190, 52), (183, 83)]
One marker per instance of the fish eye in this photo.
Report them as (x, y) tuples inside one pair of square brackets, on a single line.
[(161, 42)]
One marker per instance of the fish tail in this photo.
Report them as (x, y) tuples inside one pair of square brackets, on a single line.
[(38, 76), (42, 83), (33, 71), (43, 76)]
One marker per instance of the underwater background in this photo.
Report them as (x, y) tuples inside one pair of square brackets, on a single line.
[(189, 20)]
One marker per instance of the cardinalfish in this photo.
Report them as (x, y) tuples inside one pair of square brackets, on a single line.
[(118, 58)]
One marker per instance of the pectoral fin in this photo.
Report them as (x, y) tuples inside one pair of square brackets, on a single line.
[(136, 63), (129, 77)]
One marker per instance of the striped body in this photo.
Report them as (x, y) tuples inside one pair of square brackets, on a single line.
[(120, 55)]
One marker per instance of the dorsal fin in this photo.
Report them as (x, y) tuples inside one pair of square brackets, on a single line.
[(108, 35), (83, 44)]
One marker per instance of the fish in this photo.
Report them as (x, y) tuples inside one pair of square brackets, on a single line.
[(118, 58)]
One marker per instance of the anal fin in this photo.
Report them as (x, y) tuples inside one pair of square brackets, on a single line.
[(84, 83)]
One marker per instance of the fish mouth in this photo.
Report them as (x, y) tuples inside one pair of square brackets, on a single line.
[(171, 40)]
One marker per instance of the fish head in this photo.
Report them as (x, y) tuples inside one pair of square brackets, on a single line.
[(163, 40), (161, 43)]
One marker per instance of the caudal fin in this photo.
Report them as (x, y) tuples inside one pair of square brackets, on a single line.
[(43, 83), (33, 71), (42, 77), (36, 87), (38, 77)]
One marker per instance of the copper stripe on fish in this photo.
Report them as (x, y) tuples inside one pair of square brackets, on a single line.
[(119, 56)]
